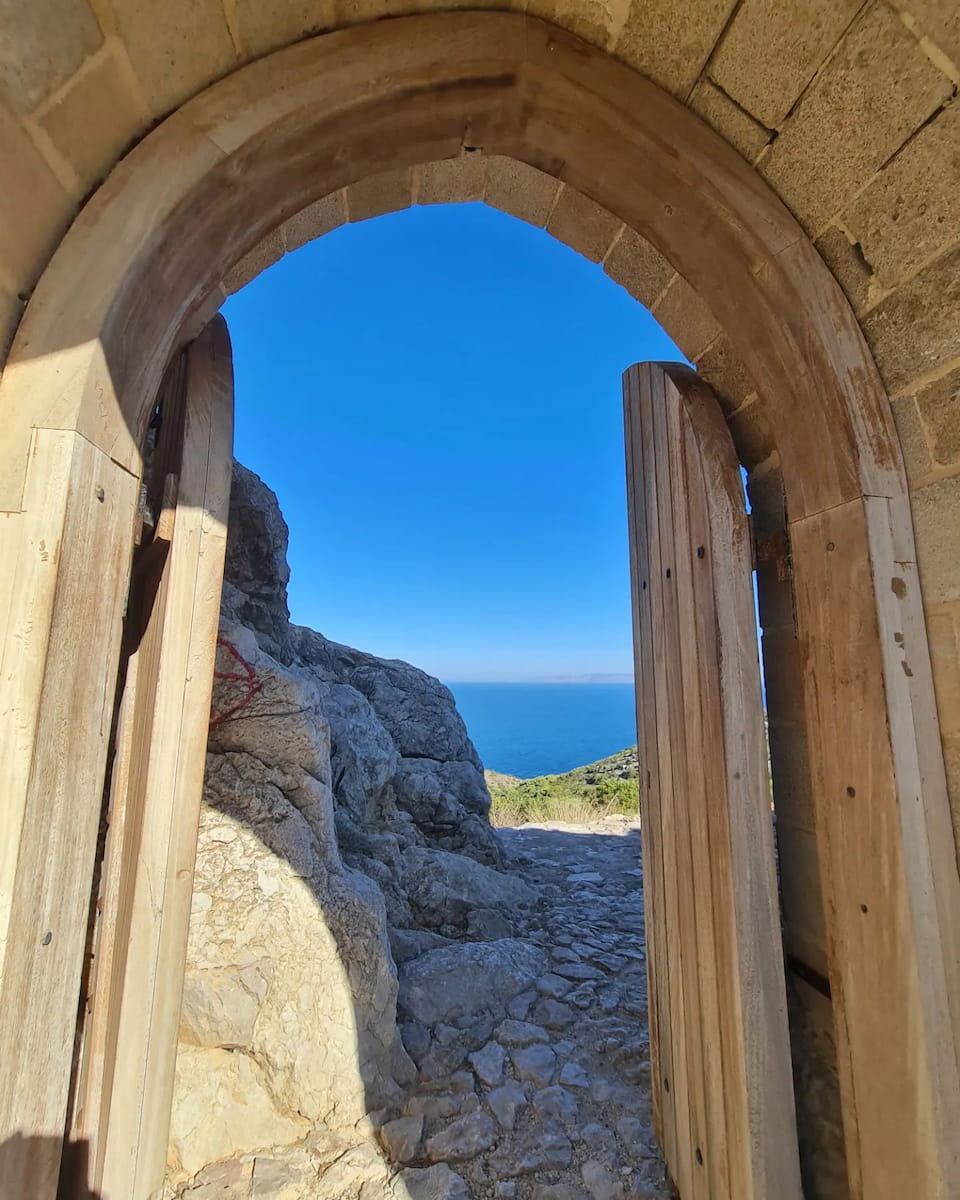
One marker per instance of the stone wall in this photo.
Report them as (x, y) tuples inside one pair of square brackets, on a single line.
[(344, 831), (846, 109)]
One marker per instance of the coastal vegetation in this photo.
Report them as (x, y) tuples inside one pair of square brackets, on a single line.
[(575, 797)]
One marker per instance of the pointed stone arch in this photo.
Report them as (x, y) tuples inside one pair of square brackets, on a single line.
[(227, 170)]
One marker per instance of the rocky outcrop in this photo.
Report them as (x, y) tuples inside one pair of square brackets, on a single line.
[(344, 829)]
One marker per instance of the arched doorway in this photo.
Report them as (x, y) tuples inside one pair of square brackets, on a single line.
[(233, 165)]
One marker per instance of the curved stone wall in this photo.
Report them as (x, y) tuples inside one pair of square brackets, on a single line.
[(846, 109)]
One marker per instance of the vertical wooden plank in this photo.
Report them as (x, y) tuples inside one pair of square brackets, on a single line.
[(130, 1044), (198, 555), (883, 879), (734, 1135), (684, 863), (658, 993), (684, 1138), (758, 1083), (703, 754), (78, 520), (143, 1082)]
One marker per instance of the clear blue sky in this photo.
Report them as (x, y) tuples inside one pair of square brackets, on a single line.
[(435, 397)]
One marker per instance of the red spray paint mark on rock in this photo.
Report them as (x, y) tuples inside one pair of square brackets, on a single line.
[(246, 676)]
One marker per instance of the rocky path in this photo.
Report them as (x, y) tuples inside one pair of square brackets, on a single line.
[(534, 1073)]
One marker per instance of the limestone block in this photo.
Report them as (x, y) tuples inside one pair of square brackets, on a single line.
[(939, 408), (520, 190), (879, 83), (352, 12), (752, 434), (943, 630), (265, 25), (583, 225), (728, 119), (912, 209), (202, 315), (638, 266), (262, 256), (94, 120), (939, 20), (224, 1107), (936, 522), (721, 366), (220, 1007), (34, 209), (596, 21), (913, 444), (772, 50), (452, 180), (845, 259), (390, 191), (669, 42), (914, 330), (176, 49), (43, 44), (315, 220), (686, 318)]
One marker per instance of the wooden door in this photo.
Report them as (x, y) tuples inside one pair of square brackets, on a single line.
[(130, 1014), (720, 1056)]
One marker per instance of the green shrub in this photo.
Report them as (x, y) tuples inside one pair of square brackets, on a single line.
[(575, 798)]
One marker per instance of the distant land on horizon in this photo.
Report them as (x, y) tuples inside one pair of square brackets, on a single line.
[(612, 677)]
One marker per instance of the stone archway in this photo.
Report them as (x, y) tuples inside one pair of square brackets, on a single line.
[(202, 191)]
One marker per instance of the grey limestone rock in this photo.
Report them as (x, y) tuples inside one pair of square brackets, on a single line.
[(553, 1014), (556, 1102), (600, 1181), (535, 1064), (520, 1033), (444, 888), (462, 979), (433, 1183), (462, 1139), (401, 1138), (505, 1102), (488, 1063), (573, 1075), (255, 571)]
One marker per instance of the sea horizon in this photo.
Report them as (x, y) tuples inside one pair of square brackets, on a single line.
[(535, 727)]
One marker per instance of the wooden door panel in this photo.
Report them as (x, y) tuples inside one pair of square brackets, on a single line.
[(720, 1058), (125, 1083)]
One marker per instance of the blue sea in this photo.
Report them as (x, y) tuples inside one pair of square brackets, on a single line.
[(530, 729)]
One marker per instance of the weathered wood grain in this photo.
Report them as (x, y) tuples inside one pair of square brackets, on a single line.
[(130, 1042), (734, 1131), (154, 241)]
